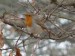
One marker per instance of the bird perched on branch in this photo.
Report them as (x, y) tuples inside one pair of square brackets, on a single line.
[(31, 24)]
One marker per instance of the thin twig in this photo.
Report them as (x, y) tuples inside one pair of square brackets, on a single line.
[(18, 39)]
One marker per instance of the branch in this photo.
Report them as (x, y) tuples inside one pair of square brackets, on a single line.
[(12, 19)]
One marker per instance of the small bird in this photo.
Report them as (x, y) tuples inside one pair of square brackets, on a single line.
[(31, 25)]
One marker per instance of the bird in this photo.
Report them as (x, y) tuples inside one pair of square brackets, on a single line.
[(31, 24)]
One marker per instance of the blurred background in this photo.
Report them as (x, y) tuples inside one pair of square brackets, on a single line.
[(38, 47)]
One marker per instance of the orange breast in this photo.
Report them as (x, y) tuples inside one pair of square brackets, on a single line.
[(28, 20)]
